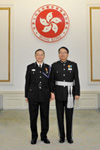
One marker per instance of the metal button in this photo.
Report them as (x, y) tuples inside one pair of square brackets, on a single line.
[(40, 82), (39, 87), (40, 77), (63, 64), (40, 71), (63, 74), (64, 69)]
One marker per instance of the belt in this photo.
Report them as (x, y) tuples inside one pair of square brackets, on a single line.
[(63, 83), (70, 102)]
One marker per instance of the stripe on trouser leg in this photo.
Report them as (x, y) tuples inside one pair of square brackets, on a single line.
[(70, 97)]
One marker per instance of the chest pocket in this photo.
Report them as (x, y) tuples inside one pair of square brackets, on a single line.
[(58, 70), (33, 72), (70, 71), (58, 74)]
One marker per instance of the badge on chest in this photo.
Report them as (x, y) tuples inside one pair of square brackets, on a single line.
[(69, 67), (33, 69)]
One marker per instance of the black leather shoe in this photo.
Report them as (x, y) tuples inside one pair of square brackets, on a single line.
[(61, 140), (33, 141), (46, 141), (70, 141)]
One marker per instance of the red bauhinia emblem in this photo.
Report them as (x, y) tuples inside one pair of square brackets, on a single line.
[(50, 23)]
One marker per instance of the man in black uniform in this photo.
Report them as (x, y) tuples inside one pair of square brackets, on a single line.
[(65, 89), (37, 93)]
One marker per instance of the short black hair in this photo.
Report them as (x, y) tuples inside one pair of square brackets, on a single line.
[(39, 50), (63, 48)]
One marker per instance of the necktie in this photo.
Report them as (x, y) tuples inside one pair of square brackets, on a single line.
[(40, 66)]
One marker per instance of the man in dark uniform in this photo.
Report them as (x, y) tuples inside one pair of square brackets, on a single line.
[(65, 88), (37, 93)]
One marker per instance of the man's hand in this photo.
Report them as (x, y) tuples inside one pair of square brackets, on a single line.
[(77, 97), (27, 100), (52, 96)]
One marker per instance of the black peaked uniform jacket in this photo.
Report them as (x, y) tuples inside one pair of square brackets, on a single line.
[(37, 84), (64, 71)]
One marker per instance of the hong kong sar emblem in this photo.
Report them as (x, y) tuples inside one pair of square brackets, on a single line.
[(50, 23)]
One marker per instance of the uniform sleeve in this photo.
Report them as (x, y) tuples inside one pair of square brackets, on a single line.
[(77, 83), (52, 80), (27, 81)]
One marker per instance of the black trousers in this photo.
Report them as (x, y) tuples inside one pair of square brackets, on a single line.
[(61, 107), (44, 115)]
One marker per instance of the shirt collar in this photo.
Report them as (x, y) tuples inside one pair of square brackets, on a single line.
[(39, 64), (63, 61)]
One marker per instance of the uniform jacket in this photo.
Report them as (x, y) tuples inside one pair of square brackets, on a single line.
[(37, 85), (64, 71)]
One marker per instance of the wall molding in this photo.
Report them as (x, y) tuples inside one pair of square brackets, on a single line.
[(92, 45), (10, 30), (16, 100), (8, 9)]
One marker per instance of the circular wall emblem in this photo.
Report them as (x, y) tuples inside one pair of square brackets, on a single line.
[(50, 23)]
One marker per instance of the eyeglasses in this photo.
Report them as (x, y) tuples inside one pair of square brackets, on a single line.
[(63, 53), (40, 55)]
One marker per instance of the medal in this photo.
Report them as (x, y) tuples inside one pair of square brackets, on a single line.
[(69, 67), (46, 69)]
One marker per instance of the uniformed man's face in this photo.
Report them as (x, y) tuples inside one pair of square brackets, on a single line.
[(63, 55), (39, 56)]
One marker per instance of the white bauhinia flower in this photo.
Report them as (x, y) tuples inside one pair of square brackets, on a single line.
[(49, 16), (50, 23), (47, 28), (56, 20), (54, 27), (43, 22)]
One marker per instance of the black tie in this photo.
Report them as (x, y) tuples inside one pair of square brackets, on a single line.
[(40, 66)]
